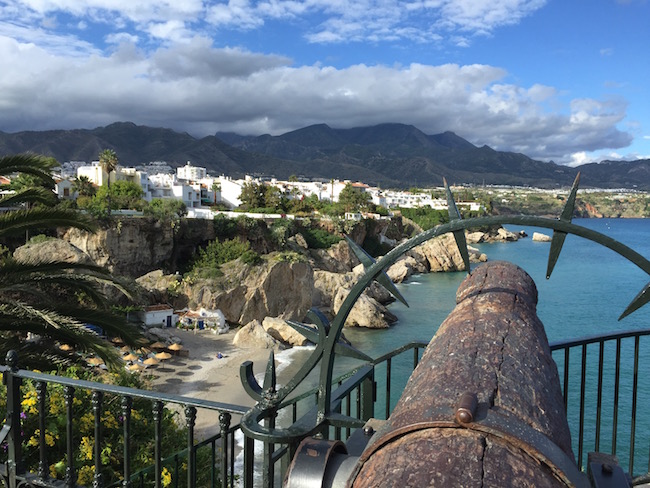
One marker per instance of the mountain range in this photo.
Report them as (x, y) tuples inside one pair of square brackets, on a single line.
[(390, 155)]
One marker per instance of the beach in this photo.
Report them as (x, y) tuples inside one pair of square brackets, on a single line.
[(198, 372)]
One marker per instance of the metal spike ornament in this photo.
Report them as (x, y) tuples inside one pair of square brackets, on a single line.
[(559, 236)]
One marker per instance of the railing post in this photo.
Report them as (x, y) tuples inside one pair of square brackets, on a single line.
[(97, 400), (190, 420), (224, 425), (368, 394), (41, 390), (68, 395), (14, 438), (157, 420), (127, 403)]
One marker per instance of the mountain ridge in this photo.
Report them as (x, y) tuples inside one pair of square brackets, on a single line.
[(388, 154)]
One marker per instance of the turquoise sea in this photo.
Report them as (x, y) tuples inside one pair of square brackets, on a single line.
[(590, 287)]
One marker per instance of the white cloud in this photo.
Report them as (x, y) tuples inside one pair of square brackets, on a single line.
[(202, 89), (322, 21)]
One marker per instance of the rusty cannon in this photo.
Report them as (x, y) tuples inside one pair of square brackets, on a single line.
[(484, 407)]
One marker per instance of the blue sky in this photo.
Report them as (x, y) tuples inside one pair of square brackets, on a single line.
[(562, 80)]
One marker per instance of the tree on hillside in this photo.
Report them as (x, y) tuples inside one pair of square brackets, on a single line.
[(252, 195), (354, 199), (48, 299), (108, 161), (121, 195)]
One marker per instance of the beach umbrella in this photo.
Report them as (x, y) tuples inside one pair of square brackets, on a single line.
[(163, 355), (66, 347), (158, 345), (95, 361), (117, 340), (175, 347), (150, 361), (143, 350), (135, 367), (125, 348), (130, 357)]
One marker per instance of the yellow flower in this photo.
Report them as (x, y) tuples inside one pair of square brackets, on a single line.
[(87, 422), (29, 402), (49, 439), (86, 448), (86, 475), (166, 477), (33, 440), (109, 421)]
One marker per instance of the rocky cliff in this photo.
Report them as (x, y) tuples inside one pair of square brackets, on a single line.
[(278, 287)]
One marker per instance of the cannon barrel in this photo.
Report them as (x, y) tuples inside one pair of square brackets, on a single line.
[(484, 405)]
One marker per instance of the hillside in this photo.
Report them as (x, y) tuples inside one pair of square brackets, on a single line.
[(390, 155)]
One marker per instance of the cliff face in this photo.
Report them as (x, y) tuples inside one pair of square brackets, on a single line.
[(276, 288), (134, 246)]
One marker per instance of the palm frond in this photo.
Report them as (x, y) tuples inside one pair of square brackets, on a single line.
[(31, 164), (17, 221), (28, 195)]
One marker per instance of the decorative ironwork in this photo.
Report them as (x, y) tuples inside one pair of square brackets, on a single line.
[(327, 336)]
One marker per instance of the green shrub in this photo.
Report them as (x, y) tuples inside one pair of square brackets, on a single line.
[(251, 257), (290, 257), (40, 238), (319, 238)]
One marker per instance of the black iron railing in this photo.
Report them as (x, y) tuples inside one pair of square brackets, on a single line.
[(604, 378)]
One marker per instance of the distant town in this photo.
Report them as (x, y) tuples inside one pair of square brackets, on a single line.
[(200, 192)]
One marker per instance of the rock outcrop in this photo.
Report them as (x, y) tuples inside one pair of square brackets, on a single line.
[(330, 290), (539, 237), (245, 293), (129, 247), (253, 336), (500, 234), (435, 255), (281, 331), (366, 312), (339, 258), (51, 250)]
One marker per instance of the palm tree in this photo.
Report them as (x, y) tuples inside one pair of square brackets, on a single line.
[(83, 186), (44, 301), (108, 161)]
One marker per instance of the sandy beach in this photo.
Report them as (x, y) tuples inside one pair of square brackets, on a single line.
[(201, 374)]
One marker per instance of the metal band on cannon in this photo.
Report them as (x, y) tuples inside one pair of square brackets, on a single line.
[(514, 434)]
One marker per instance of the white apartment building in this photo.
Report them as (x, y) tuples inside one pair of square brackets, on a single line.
[(191, 173)]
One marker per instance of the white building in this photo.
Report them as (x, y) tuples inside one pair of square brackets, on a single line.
[(63, 189), (161, 315), (191, 173)]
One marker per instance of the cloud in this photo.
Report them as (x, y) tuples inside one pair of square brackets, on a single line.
[(322, 21), (202, 89)]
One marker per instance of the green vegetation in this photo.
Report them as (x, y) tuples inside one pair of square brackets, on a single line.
[(120, 195), (142, 455), (209, 260), (259, 198), (165, 209), (51, 299), (426, 217)]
